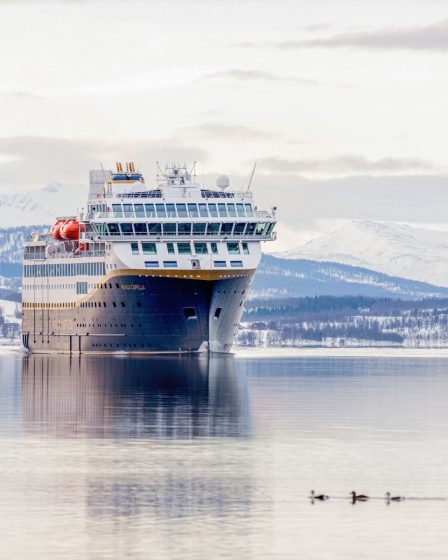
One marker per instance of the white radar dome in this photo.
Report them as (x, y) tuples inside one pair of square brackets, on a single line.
[(223, 182)]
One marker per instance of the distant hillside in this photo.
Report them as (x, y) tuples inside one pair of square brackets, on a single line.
[(345, 321), (277, 277), (395, 249)]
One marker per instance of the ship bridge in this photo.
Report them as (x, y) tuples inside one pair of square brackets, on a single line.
[(177, 208)]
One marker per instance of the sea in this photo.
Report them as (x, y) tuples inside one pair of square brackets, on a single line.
[(215, 458)]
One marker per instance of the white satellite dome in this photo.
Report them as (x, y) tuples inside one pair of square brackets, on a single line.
[(223, 182)]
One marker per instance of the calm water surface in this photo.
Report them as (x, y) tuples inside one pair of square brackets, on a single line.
[(190, 458)]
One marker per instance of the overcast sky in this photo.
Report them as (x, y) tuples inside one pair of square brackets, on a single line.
[(342, 103)]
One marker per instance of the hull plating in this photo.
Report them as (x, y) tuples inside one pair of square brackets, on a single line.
[(143, 314)]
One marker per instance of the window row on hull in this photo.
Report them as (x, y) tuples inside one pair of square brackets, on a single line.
[(173, 264), (64, 269), (188, 248), (261, 229)]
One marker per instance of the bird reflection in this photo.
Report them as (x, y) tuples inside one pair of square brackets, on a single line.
[(165, 397)]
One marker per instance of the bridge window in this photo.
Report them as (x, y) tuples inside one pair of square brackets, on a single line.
[(127, 208), (260, 228), (134, 249), (184, 248), (240, 209), (226, 228), (161, 213), (184, 228), (154, 228), (116, 208), (140, 228), (213, 228), (200, 248), (126, 229), (170, 248), (199, 228), (149, 248), (113, 229), (150, 213), (222, 210), (171, 210), (181, 210), (239, 228), (169, 229), (139, 210), (250, 229), (203, 210), (214, 248), (231, 209), (212, 210), (193, 210), (249, 209), (246, 248)]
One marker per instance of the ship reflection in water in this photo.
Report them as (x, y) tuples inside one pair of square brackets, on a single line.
[(184, 397), (140, 419)]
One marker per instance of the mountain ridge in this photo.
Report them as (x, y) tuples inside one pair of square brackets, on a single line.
[(279, 277), (403, 251)]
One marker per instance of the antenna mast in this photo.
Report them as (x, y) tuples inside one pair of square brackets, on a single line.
[(251, 177)]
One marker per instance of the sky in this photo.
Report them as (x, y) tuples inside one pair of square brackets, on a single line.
[(342, 103)]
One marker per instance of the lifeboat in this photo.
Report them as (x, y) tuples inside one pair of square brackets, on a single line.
[(70, 229), (55, 230)]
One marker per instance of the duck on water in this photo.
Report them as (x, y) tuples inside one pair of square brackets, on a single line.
[(358, 497), (321, 497)]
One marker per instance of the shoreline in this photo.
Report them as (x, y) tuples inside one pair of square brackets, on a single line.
[(361, 352), (248, 352)]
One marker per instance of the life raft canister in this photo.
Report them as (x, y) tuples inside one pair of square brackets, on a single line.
[(55, 230), (70, 229)]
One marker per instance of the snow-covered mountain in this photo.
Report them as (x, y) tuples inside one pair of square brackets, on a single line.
[(41, 206), (399, 250), (280, 278)]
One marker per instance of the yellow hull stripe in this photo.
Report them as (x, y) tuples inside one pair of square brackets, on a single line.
[(207, 275)]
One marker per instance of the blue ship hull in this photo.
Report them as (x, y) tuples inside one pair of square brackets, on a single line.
[(140, 313)]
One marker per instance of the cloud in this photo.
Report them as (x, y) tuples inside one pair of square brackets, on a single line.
[(426, 37), (230, 131), (256, 76), (31, 161), (308, 201), (348, 163)]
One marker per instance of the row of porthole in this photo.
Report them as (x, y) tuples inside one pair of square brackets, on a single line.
[(117, 345), (123, 325)]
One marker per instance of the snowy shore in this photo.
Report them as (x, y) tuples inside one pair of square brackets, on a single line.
[(371, 352)]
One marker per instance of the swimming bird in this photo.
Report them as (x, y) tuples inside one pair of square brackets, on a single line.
[(390, 498), (322, 497), (359, 497)]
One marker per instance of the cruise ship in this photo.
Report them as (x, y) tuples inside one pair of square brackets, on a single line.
[(165, 269)]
